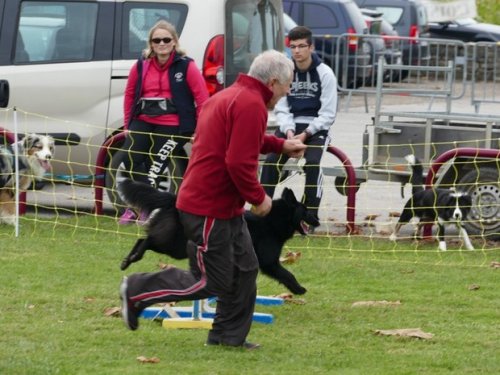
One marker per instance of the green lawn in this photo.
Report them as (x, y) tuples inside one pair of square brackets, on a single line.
[(58, 278)]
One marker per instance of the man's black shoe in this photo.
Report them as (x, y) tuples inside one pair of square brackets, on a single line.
[(129, 313)]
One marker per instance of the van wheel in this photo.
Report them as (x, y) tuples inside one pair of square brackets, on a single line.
[(484, 188), (115, 173)]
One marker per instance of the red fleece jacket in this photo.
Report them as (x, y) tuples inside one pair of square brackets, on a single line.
[(223, 167)]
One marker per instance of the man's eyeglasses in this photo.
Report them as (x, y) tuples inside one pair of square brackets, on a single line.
[(300, 46), (159, 40)]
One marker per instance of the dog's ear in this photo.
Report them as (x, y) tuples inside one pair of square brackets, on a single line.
[(29, 140), (288, 195)]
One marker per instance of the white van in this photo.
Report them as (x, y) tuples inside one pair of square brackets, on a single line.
[(66, 62)]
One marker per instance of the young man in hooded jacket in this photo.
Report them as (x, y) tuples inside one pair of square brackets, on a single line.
[(306, 113)]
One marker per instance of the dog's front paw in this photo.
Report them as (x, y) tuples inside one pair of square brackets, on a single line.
[(393, 237), (299, 290), (125, 263)]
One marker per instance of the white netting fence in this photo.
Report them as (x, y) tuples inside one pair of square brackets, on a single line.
[(69, 195)]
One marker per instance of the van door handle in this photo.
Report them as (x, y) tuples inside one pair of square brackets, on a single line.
[(4, 93)]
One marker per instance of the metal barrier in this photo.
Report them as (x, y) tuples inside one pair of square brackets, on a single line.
[(485, 73), (354, 59), (404, 51), (443, 90)]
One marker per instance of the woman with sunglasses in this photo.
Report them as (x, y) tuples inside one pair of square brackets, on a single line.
[(164, 94)]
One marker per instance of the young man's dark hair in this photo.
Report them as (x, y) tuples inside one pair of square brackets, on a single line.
[(300, 32)]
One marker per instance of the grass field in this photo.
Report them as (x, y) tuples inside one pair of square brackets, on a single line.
[(58, 278)]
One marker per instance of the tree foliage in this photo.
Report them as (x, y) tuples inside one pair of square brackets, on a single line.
[(489, 11)]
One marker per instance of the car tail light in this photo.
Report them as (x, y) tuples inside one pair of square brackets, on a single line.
[(213, 64), (414, 34), (352, 40)]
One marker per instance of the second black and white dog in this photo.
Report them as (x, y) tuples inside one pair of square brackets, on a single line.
[(165, 233), (440, 206), (35, 152)]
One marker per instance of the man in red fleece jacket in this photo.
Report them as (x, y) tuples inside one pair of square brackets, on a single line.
[(221, 177)]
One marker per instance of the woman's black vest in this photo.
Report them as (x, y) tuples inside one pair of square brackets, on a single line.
[(182, 96)]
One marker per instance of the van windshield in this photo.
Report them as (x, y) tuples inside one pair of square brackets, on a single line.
[(251, 28)]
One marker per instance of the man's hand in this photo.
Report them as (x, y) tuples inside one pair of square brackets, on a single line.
[(263, 208), (301, 137), (294, 148)]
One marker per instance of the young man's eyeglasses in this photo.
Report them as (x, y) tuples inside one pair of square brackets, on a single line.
[(159, 40), (300, 46)]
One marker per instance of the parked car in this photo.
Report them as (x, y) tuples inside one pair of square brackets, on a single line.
[(328, 20), (466, 30), (409, 18), (67, 61)]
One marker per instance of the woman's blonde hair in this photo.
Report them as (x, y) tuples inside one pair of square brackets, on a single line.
[(162, 24)]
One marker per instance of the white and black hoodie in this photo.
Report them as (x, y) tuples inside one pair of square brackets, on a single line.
[(312, 99)]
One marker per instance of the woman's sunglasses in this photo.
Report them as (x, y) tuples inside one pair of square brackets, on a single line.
[(159, 40)]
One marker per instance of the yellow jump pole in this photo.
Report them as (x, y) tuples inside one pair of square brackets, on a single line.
[(196, 321)]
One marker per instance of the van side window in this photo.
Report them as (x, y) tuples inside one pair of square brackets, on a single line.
[(56, 32), (138, 18)]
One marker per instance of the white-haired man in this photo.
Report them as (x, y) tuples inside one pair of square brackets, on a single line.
[(221, 177)]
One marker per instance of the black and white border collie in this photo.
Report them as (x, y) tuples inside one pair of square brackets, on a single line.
[(35, 152), (440, 206)]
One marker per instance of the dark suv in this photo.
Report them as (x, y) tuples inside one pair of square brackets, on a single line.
[(328, 21), (409, 18)]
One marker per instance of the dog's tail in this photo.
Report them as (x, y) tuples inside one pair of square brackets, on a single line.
[(144, 197), (417, 175)]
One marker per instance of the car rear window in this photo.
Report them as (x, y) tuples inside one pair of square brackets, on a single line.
[(391, 14)]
